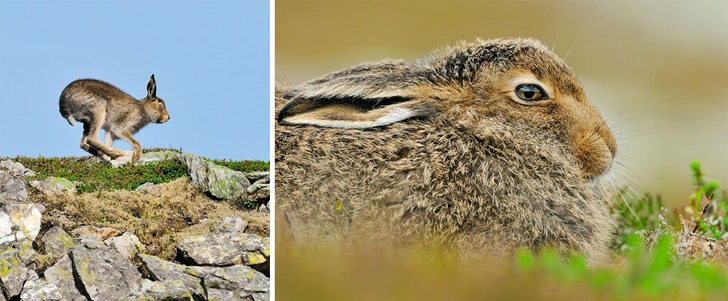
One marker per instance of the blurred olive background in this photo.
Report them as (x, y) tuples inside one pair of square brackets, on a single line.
[(658, 71)]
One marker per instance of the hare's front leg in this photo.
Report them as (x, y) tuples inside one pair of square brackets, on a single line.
[(93, 137), (126, 136), (84, 141)]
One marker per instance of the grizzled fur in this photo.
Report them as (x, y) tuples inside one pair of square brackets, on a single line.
[(100, 105), (441, 152)]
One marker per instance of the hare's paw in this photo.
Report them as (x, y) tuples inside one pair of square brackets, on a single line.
[(121, 160)]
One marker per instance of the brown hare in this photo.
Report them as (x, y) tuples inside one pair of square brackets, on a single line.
[(480, 149), (100, 105)]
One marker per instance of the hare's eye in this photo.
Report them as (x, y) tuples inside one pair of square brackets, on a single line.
[(531, 92)]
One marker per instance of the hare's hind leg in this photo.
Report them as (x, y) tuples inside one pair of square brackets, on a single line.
[(93, 138), (108, 142), (126, 136)]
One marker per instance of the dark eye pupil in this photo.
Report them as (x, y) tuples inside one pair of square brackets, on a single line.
[(530, 92)]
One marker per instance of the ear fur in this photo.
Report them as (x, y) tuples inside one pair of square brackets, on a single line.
[(364, 96), (152, 87)]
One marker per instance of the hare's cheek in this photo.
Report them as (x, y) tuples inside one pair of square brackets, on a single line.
[(593, 153)]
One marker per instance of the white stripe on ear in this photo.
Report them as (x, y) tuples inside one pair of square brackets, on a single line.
[(394, 115), (338, 116)]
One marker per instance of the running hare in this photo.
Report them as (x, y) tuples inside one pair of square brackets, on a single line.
[(100, 105), (482, 148)]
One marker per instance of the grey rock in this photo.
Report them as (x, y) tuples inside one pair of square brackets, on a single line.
[(255, 187), (168, 290), (265, 247), (120, 161), (223, 249), (92, 242), (19, 221), (144, 187), (36, 289), (259, 175), (261, 296), (219, 181), (224, 295), (56, 241), (161, 270), (11, 188), (237, 278), (199, 271), (104, 274), (145, 158), (263, 181), (157, 156), (26, 253), (14, 272), (263, 208), (53, 185), (261, 195), (231, 224), (127, 244), (16, 169), (61, 275)]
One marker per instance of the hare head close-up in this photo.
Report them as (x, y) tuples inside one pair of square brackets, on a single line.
[(491, 146), (519, 80)]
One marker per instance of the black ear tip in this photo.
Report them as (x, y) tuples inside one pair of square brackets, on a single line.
[(281, 114), (152, 77)]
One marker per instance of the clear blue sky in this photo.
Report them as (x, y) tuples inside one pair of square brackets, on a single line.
[(210, 60)]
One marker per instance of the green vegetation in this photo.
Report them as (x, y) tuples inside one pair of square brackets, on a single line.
[(244, 166), (93, 176), (663, 254)]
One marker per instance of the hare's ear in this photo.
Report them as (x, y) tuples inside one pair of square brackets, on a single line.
[(363, 96), (152, 87)]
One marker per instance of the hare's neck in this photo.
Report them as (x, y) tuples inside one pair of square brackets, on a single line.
[(144, 119)]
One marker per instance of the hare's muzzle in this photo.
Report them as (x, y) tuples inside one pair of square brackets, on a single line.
[(163, 119), (596, 150)]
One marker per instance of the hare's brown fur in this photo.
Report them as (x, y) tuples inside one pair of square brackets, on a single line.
[(100, 105), (440, 152)]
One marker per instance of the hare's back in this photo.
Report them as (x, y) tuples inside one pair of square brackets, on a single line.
[(92, 90)]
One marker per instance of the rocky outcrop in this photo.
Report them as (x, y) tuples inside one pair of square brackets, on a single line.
[(93, 263), (127, 244), (56, 242), (227, 266), (259, 191), (52, 185), (12, 189), (227, 246), (19, 221), (101, 273), (145, 158), (218, 181), (15, 169)]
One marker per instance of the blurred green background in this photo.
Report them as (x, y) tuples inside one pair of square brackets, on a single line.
[(658, 71)]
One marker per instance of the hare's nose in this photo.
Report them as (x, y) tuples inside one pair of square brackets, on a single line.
[(609, 140)]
